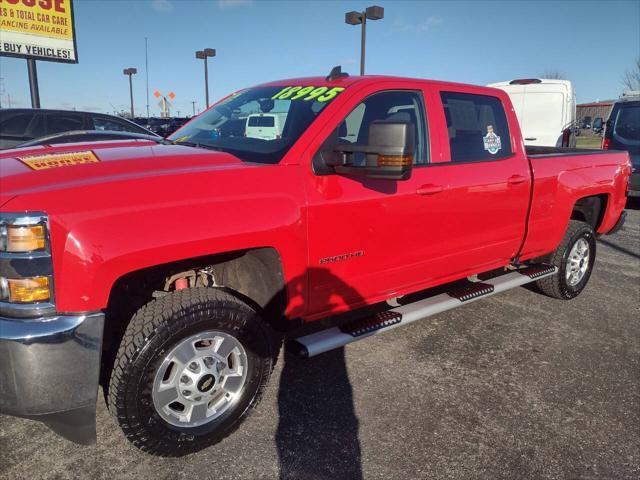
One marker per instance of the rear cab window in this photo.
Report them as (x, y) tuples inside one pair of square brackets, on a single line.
[(477, 127)]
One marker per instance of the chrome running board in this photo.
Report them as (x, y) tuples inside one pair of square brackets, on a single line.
[(336, 337)]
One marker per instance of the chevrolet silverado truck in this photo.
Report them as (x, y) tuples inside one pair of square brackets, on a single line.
[(171, 272)]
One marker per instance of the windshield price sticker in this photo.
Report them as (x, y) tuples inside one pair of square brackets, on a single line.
[(320, 94), (55, 160)]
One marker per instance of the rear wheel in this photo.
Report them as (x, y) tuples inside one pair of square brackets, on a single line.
[(574, 258), (191, 367)]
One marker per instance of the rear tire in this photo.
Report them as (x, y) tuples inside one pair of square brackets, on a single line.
[(176, 346), (574, 258)]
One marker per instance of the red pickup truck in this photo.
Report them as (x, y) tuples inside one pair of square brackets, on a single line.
[(167, 271)]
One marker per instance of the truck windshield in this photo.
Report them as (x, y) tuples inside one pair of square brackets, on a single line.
[(225, 126)]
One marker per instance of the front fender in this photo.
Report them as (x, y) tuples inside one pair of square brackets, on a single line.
[(103, 232)]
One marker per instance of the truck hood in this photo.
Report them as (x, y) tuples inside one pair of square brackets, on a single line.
[(41, 169)]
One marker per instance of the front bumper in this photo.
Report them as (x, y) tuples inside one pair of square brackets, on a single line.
[(49, 371)]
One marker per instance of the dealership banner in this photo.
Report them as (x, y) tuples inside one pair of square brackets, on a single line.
[(39, 29)]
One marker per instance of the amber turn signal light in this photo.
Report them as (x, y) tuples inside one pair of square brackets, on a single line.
[(395, 160), (29, 290)]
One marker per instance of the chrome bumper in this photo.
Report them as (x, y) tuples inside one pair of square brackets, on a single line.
[(49, 371)]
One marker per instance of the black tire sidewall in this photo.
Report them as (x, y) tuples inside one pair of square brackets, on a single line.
[(571, 291), (243, 324)]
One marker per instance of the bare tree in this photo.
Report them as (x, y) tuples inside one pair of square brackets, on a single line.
[(553, 74), (631, 78)]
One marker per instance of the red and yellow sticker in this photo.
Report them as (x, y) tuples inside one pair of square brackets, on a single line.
[(55, 160)]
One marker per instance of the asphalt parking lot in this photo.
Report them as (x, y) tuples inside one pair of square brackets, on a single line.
[(516, 386)]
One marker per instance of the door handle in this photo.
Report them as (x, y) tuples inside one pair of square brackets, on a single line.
[(429, 189), (516, 179)]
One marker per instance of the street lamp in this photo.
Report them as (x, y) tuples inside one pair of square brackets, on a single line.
[(356, 18), (130, 72), (203, 54)]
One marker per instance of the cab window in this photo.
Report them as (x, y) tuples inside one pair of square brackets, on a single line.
[(63, 122), (477, 127), (399, 106)]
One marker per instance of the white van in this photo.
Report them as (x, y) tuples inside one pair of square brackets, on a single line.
[(265, 126), (546, 110)]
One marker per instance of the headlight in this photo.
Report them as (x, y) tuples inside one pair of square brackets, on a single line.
[(26, 269)]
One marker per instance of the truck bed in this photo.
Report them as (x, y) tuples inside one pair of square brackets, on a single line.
[(563, 176)]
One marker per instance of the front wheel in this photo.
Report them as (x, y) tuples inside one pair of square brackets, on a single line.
[(574, 258), (191, 366)]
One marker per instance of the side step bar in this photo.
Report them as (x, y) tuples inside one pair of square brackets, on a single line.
[(336, 337)]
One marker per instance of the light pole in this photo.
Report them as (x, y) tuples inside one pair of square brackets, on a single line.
[(130, 72), (193, 104), (203, 55), (356, 18)]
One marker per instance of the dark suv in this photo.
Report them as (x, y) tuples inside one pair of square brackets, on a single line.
[(21, 125), (622, 132)]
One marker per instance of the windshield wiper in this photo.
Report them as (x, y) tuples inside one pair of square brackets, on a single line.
[(196, 145)]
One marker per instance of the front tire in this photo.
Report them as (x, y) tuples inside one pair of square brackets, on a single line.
[(191, 366), (574, 258)]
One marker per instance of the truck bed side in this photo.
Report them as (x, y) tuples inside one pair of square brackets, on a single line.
[(562, 179)]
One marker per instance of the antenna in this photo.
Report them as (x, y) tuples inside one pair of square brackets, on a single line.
[(336, 74)]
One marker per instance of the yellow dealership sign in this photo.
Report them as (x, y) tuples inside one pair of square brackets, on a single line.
[(39, 29)]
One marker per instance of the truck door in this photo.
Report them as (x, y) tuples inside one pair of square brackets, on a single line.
[(362, 232), (483, 187)]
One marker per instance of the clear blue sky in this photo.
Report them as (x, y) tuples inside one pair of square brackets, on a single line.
[(589, 42)]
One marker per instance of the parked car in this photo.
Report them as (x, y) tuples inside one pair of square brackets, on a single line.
[(171, 270), (546, 110), (20, 125), (622, 132)]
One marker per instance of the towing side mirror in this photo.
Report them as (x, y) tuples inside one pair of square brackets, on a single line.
[(389, 152)]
